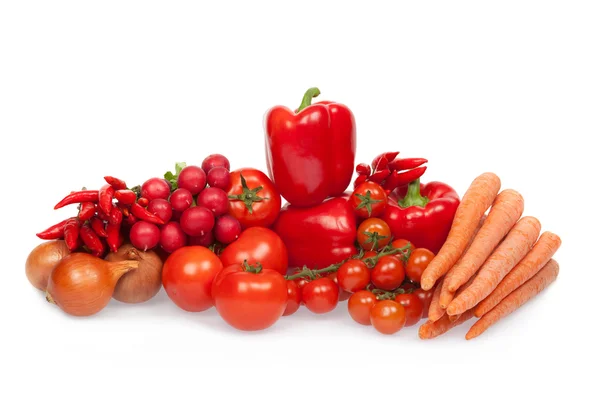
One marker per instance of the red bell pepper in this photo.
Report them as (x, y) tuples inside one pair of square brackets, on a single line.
[(318, 236), (422, 214), (310, 152)]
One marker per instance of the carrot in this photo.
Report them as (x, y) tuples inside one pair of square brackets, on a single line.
[(539, 255), (435, 312), (516, 299), (517, 244), (464, 287), (505, 212), (474, 204), (453, 318), (430, 329)]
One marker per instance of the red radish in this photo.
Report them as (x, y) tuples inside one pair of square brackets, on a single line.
[(218, 177), (213, 161), (144, 235), (205, 240), (156, 188), (192, 178), (196, 221), (161, 208), (172, 237), (216, 200), (227, 229), (181, 199)]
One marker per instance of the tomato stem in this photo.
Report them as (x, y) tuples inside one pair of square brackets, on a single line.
[(253, 269), (248, 196), (366, 201)]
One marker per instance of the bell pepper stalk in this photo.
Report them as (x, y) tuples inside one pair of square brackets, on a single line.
[(310, 152), (422, 214)]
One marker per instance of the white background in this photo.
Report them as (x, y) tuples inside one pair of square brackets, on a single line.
[(129, 88)]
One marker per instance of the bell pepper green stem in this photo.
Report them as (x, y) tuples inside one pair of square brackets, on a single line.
[(413, 196), (308, 96)]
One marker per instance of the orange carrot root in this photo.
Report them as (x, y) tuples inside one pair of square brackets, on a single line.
[(430, 330), (435, 312)]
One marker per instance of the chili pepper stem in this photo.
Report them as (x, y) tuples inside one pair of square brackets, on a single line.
[(308, 96), (413, 196)]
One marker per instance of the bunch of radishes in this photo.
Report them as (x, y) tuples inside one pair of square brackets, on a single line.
[(193, 213)]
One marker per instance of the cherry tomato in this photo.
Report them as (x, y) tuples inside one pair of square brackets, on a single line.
[(368, 200), (294, 298), (353, 275), (256, 191), (257, 245), (425, 297), (417, 262), (188, 275), (368, 254), (413, 307), (388, 317), (250, 298), (301, 282), (373, 234), (359, 306), (400, 243), (343, 294), (321, 295), (388, 273)]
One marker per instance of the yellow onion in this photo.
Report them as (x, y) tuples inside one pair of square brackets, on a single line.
[(42, 260)]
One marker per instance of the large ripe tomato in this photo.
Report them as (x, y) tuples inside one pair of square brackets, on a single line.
[(413, 306), (388, 273), (359, 306), (294, 298), (321, 295), (250, 298), (373, 234), (425, 297), (417, 262), (187, 277), (368, 200), (257, 245), (353, 275), (401, 243), (258, 201), (388, 316)]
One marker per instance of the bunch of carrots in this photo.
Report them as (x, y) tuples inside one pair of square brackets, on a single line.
[(490, 265)]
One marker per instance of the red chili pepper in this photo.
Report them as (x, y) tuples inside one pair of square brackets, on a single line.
[(363, 169), (402, 164), (114, 239), (55, 231), (86, 211), (78, 197), (101, 214), (125, 196), (380, 176), (129, 220), (98, 227), (124, 209), (116, 183), (115, 217), (91, 240), (142, 201), (105, 198), (404, 178), (381, 161), (360, 179), (72, 231), (145, 215)]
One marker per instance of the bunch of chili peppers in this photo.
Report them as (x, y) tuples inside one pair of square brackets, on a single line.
[(390, 171), (102, 215)]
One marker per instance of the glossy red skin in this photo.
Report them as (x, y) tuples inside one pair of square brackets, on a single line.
[(388, 273), (413, 307), (249, 301), (425, 297), (294, 298), (377, 194), (264, 212), (372, 225), (318, 236), (427, 226), (187, 277), (321, 295), (417, 262), (388, 317), (257, 245), (310, 154), (359, 306), (343, 296), (353, 275)]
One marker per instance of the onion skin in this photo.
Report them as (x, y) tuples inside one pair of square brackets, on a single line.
[(141, 284), (42, 260), (82, 284)]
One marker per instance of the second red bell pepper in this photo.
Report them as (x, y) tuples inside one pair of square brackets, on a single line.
[(310, 153), (318, 236), (422, 214)]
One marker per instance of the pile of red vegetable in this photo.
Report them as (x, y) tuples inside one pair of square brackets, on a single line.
[(225, 240)]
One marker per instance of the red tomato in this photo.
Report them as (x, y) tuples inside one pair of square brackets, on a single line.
[(388, 317), (417, 262), (368, 200), (359, 306), (250, 298), (321, 295), (353, 275), (256, 192), (388, 273), (368, 254), (373, 234), (188, 275), (343, 294), (257, 245), (301, 282), (294, 298), (425, 298), (400, 243), (413, 307)]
